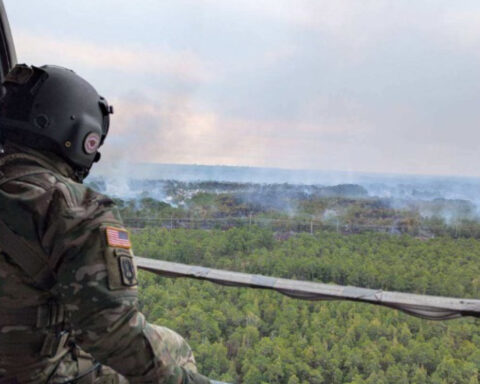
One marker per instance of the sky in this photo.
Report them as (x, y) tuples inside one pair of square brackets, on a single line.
[(381, 86)]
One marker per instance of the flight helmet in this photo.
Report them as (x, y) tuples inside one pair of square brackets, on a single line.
[(51, 108)]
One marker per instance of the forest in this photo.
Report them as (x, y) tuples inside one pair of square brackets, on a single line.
[(251, 336)]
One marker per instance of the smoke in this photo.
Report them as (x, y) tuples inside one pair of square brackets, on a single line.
[(264, 189)]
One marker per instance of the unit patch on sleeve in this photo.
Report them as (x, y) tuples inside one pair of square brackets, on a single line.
[(121, 268), (118, 238), (128, 271)]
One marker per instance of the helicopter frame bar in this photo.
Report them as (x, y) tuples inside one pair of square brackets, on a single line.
[(423, 306)]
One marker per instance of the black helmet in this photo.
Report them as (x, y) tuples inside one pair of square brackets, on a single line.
[(51, 108)]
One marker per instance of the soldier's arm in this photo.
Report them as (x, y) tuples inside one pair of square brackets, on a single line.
[(96, 285)]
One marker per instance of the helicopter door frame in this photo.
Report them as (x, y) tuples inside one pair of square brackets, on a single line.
[(8, 56)]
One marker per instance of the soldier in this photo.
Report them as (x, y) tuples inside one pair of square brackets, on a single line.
[(68, 295)]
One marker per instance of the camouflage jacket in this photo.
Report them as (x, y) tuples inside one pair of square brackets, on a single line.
[(96, 295)]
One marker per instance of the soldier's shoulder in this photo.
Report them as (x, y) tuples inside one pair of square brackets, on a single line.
[(37, 200), (80, 195), (29, 182), (25, 183), (26, 174)]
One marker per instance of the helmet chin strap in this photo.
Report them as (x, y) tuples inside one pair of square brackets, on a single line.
[(80, 174)]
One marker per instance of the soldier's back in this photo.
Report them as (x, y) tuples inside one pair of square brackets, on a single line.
[(36, 204)]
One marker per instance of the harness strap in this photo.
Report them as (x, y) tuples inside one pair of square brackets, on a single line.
[(28, 257)]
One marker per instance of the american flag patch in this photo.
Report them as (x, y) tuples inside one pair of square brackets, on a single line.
[(118, 238)]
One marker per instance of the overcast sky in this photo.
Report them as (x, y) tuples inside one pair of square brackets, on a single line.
[(372, 86)]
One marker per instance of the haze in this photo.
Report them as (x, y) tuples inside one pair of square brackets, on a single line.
[(370, 86)]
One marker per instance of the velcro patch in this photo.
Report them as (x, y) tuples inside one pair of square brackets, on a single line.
[(118, 238)]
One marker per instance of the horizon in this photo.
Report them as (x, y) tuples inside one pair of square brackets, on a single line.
[(100, 170)]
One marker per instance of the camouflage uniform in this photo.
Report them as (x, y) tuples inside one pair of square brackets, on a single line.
[(92, 300)]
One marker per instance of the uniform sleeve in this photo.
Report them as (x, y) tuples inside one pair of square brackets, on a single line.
[(97, 285)]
